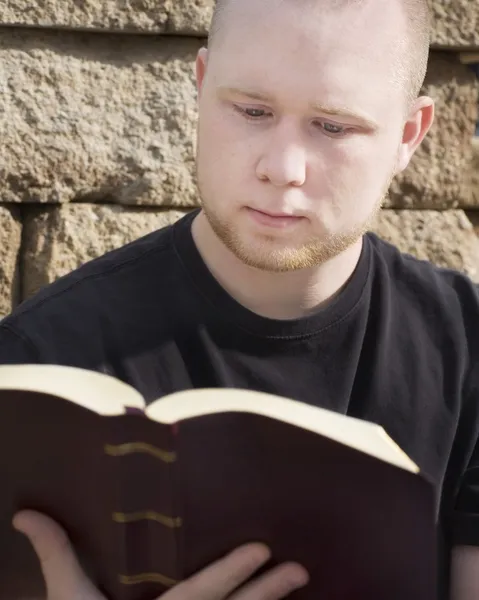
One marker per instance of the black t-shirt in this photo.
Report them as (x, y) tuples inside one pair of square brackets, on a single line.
[(398, 346)]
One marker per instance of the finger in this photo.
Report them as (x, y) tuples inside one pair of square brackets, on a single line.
[(61, 570), (219, 579), (277, 583)]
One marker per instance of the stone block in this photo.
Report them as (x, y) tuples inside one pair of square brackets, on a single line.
[(190, 17), (10, 242), (102, 118), (445, 238), (455, 23), (89, 117), (59, 239), (436, 177), (474, 174)]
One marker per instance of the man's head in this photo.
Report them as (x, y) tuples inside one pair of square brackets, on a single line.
[(307, 108), (415, 42)]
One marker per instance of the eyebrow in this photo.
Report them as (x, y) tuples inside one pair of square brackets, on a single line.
[(321, 108)]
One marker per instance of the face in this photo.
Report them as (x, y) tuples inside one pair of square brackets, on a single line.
[(303, 122)]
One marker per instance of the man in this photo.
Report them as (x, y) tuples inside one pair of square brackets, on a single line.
[(307, 110)]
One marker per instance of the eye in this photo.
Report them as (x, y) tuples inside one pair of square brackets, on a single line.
[(332, 129), (253, 114)]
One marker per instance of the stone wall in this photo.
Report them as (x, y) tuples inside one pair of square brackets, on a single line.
[(98, 133)]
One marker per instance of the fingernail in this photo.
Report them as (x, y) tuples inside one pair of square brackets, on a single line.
[(300, 577), (255, 550), (262, 552), (19, 521)]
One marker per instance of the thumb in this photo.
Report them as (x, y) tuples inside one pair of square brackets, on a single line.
[(61, 570)]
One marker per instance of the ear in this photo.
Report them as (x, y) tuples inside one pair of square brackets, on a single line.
[(201, 63), (418, 124)]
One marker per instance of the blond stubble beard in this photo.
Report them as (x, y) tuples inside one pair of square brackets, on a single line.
[(268, 257)]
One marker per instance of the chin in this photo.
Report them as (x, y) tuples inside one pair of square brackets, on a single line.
[(272, 255), (269, 249)]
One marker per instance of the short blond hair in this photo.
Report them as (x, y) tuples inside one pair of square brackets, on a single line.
[(418, 16)]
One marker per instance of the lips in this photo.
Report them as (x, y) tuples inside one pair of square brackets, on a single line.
[(271, 219), (277, 215), (269, 213)]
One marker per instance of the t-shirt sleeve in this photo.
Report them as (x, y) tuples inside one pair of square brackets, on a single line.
[(465, 515), (465, 519), (15, 348)]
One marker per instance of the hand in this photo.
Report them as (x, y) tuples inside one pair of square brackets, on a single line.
[(226, 577)]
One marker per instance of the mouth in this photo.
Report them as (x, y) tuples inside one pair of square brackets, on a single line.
[(279, 220)]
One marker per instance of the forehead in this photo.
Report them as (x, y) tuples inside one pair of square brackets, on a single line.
[(298, 51)]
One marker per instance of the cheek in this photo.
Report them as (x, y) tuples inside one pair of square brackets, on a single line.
[(351, 180), (222, 147), (218, 126), (221, 168), (363, 163)]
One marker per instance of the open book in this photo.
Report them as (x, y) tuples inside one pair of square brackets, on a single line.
[(151, 494)]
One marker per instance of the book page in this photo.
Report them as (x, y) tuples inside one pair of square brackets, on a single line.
[(355, 433), (94, 391)]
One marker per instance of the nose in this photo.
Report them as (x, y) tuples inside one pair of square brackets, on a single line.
[(284, 162)]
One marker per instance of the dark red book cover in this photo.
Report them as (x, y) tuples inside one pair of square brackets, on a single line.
[(148, 504)]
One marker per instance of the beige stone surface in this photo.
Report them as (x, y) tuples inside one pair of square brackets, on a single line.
[(474, 173), (59, 239), (445, 238), (149, 16), (455, 23), (10, 240), (436, 177), (97, 117), (91, 118)]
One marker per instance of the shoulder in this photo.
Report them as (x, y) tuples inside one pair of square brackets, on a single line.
[(405, 267), (124, 265), (82, 306), (439, 296)]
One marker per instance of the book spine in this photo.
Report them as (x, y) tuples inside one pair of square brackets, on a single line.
[(108, 577), (144, 514), (176, 504)]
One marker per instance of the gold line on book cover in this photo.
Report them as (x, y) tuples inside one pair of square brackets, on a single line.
[(149, 515), (147, 578), (132, 447)]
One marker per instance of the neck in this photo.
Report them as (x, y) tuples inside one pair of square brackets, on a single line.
[(273, 295)]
